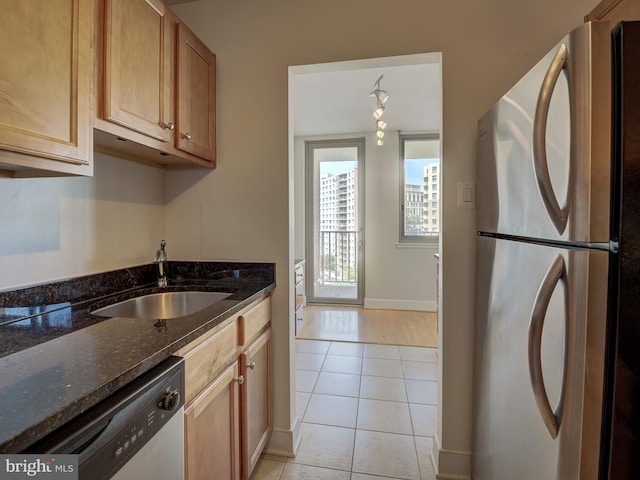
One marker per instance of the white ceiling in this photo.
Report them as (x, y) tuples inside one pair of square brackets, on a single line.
[(333, 98)]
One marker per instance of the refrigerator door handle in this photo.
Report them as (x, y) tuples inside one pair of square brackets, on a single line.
[(557, 272), (557, 214)]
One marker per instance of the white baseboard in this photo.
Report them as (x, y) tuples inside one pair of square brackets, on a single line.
[(450, 464), (284, 442), (388, 304)]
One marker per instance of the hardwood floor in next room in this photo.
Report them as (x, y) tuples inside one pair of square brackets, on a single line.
[(367, 325), (368, 409)]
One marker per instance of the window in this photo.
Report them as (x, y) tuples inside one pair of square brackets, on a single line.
[(419, 179)]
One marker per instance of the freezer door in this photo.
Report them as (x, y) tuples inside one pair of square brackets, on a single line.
[(543, 150), (532, 374)]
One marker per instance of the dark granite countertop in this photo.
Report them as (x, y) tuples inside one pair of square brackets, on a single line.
[(58, 360)]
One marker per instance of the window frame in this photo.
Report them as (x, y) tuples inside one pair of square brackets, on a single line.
[(416, 239)]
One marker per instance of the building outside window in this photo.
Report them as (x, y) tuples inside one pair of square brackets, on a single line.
[(419, 180), (338, 200)]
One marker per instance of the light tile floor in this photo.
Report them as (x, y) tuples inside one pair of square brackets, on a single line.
[(368, 412)]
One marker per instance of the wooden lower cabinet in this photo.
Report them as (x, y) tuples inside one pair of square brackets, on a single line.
[(228, 396), (255, 367), (212, 430)]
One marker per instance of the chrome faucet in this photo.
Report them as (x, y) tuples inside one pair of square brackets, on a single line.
[(161, 261)]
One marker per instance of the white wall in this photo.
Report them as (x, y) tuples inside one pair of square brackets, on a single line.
[(397, 277), (485, 45), (56, 228)]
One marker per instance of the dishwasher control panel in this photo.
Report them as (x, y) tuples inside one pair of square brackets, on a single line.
[(147, 423)]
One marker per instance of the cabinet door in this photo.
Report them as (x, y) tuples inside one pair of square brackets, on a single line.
[(615, 11), (212, 437), (255, 367), (46, 59), (196, 96), (137, 67)]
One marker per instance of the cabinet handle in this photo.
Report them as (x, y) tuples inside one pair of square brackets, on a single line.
[(169, 126), (240, 380), (252, 365), (187, 136)]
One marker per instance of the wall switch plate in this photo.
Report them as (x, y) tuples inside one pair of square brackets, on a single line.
[(466, 195)]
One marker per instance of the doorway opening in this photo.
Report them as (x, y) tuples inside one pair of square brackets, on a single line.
[(330, 105)]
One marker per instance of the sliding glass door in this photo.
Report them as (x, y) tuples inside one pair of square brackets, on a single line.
[(334, 217)]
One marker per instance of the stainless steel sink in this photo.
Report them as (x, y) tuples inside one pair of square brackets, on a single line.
[(162, 305)]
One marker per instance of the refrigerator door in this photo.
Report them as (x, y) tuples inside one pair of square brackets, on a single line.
[(622, 420), (532, 333), (544, 148)]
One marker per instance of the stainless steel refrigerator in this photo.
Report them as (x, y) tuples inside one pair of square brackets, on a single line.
[(557, 327)]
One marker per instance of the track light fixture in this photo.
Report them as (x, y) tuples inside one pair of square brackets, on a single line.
[(381, 98), (380, 95)]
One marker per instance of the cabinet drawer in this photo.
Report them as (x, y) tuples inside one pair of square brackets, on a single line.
[(299, 301), (299, 296), (204, 361), (253, 320), (298, 275)]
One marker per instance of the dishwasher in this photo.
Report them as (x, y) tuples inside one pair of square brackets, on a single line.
[(136, 433)]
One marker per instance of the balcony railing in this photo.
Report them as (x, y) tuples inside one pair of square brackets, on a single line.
[(338, 260)]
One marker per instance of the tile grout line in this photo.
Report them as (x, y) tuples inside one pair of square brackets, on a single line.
[(359, 397), (355, 432)]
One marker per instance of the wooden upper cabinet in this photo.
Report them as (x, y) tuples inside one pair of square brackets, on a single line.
[(196, 96), (137, 67), (615, 11), (46, 58), (157, 87)]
